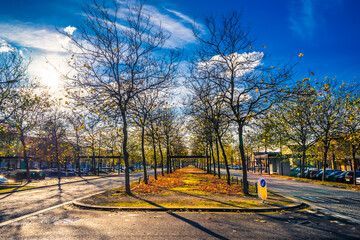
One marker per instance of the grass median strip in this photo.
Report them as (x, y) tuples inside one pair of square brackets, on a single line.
[(185, 188)]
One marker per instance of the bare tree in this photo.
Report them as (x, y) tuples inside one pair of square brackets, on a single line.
[(117, 55), (142, 111), (246, 84), (54, 126), (207, 105), (13, 70)]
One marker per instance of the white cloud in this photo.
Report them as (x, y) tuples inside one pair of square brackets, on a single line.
[(4, 46), (31, 36), (245, 63), (180, 34), (180, 15), (70, 30), (180, 30)]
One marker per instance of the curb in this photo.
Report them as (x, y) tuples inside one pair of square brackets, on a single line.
[(189, 209), (52, 185)]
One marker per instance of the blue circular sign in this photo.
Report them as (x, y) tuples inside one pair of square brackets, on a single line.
[(262, 182)]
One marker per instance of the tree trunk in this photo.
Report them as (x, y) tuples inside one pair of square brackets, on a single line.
[(354, 163), (303, 161), (57, 159), (162, 159), (212, 156), (225, 158), (218, 157), (168, 160), (155, 160), (126, 154), (245, 187), (143, 153), (326, 149), (333, 161), (26, 160), (207, 161)]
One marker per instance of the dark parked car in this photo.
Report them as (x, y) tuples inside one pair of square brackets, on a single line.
[(349, 177), (19, 175), (331, 176), (318, 176), (340, 177)]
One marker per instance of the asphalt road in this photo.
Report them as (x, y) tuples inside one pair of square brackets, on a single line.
[(344, 202), (17, 204), (71, 223), (68, 222)]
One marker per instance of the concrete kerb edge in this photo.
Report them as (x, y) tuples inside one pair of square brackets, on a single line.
[(297, 204), (52, 185), (187, 209)]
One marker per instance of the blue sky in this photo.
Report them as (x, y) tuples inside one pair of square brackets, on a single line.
[(327, 32)]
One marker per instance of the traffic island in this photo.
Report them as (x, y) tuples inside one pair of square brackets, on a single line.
[(188, 189)]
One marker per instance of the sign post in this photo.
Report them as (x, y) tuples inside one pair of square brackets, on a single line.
[(262, 189)]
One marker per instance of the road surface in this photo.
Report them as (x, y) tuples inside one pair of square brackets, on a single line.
[(17, 204), (341, 201)]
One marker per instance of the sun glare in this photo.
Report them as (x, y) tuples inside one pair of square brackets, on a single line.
[(49, 77)]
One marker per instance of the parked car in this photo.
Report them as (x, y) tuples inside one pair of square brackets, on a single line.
[(358, 180), (319, 175), (340, 177), (331, 176), (3, 180), (349, 177), (312, 173), (19, 175), (294, 172)]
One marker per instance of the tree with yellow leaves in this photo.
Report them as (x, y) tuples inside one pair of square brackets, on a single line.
[(25, 113), (351, 119), (325, 116)]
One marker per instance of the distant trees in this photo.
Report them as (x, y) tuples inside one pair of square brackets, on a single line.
[(54, 128), (25, 113), (325, 118), (293, 118), (351, 124)]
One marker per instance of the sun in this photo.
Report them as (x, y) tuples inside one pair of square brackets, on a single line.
[(49, 77)]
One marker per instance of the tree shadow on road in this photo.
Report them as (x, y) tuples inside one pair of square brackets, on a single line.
[(188, 221)]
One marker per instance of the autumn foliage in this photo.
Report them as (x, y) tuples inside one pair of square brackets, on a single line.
[(190, 177)]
